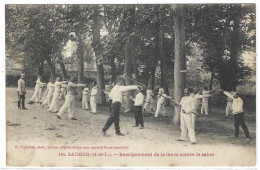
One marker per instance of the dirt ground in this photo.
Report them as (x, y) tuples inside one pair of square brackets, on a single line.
[(37, 126)]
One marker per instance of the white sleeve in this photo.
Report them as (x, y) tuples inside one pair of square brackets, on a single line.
[(228, 94), (127, 88)]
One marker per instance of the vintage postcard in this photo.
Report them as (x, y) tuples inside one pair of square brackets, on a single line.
[(130, 85)]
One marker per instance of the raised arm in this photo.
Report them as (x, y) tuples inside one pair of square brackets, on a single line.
[(80, 85), (227, 94), (127, 88)]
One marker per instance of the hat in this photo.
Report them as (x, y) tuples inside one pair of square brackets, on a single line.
[(22, 74)]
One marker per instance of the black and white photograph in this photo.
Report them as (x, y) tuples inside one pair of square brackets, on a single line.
[(130, 85)]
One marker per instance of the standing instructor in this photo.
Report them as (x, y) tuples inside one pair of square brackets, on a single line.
[(116, 96), (21, 92)]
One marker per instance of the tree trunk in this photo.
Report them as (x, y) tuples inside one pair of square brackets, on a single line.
[(113, 68), (210, 88), (234, 52), (130, 59), (40, 70), (80, 61), (180, 59), (63, 70), (52, 67), (164, 83), (129, 70), (97, 49), (153, 78)]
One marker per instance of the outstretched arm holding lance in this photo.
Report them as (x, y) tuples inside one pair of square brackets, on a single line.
[(165, 96)]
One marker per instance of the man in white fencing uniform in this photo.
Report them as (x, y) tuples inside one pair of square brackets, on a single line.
[(197, 101), (187, 109), (50, 89), (148, 105), (93, 98), (57, 89), (229, 105), (36, 95), (63, 91), (85, 94), (70, 99), (205, 101), (160, 103), (45, 92)]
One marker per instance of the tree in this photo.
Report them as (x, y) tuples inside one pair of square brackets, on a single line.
[(97, 49), (180, 59)]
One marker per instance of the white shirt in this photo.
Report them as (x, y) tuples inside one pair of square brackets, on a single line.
[(161, 98), (94, 91), (205, 95), (57, 86), (38, 84), (187, 104), (237, 105), (85, 91), (116, 93), (71, 88), (64, 85), (139, 99), (149, 94)]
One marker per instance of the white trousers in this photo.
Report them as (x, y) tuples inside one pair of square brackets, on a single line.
[(63, 93), (44, 95), (54, 102), (85, 102), (148, 105), (93, 104), (36, 95), (205, 106), (69, 104), (160, 109), (193, 119), (186, 125), (229, 108), (47, 100)]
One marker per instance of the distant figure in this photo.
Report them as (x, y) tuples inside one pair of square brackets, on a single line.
[(205, 101), (229, 104), (187, 109), (21, 91), (85, 98), (70, 99), (197, 101), (138, 103), (148, 105), (93, 98), (57, 89), (36, 95), (50, 89), (238, 112), (117, 97), (63, 91), (160, 103)]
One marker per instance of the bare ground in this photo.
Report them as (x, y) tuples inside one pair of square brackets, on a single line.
[(37, 126)]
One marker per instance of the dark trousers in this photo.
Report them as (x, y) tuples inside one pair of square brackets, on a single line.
[(110, 105), (139, 116), (21, 98), (113, 118), (240, 120)]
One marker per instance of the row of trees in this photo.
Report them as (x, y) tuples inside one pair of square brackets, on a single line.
[(153, 41)]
